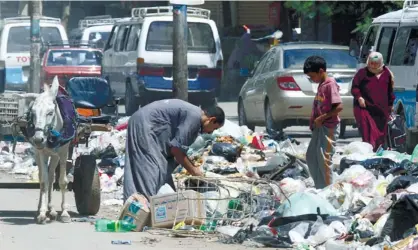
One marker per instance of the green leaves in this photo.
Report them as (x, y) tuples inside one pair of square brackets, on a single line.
[(362, 11)]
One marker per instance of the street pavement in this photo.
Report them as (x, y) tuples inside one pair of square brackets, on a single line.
[(18, 230)]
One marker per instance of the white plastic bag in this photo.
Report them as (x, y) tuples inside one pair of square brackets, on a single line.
[(290, 186), (363, 148), (229, 129)]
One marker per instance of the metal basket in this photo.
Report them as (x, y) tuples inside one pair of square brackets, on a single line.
[(232, 201)]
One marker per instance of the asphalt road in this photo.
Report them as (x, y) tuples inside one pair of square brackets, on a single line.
[(18, 230)]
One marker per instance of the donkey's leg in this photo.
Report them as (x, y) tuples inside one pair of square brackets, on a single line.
[(63, 154), (53, 162), (43, 172)]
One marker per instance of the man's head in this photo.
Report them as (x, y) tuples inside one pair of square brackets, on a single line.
[(212, 119), (315, 67)]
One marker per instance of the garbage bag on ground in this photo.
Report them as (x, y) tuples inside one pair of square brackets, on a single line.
[(230, 151), (403, 216), (383, 165), (401, 182), (304, 203)]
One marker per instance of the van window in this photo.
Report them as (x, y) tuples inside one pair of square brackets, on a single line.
[(121, 38), (98, 38), (199, 37), (384, 46), (112, 38), (405, 47), (368, 43), (18, 40), (133, 38)]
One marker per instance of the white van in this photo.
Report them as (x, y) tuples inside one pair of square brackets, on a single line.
[(138, 57), (395, 35), (92, 31), (15, 46)]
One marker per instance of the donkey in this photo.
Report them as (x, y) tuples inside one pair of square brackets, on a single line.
[(45, 117)]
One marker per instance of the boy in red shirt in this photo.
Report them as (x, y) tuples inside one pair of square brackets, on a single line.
[(324, 122)]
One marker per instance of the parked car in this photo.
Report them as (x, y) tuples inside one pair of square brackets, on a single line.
[(138, 57), (67, 63), (277, 94)]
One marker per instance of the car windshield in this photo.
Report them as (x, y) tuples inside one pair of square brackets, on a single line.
[(99, 38), (335, 58), (199, 38), (18, 40), (74, 58)]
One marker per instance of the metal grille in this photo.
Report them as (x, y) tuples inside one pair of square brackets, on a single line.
[(10, 108)]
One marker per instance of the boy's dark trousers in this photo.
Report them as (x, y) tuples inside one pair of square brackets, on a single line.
[(319, 154)]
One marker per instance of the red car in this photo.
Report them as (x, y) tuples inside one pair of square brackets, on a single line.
[(70, 62)]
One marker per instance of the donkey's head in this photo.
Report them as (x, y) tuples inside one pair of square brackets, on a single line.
[(43, 113)]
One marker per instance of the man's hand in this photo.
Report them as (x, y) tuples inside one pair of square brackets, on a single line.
[(182, 158), (361, 102), (319, 121), (195, 171)]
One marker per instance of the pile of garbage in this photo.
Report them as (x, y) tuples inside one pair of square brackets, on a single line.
[(372, 203)]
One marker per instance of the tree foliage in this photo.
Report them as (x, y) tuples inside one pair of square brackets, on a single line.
[(362, 11)]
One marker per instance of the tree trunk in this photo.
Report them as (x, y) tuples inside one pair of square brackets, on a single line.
[(285, 24), (23, 8), (66, 10)]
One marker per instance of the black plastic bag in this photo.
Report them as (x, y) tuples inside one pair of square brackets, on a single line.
[(227, 150), (401, 182), (108, 152), (383, 165), (403, 216)]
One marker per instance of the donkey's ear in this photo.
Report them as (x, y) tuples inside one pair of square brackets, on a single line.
[(54, 87)]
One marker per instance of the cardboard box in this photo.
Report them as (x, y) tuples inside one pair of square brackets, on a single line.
[(136, 211), (189, 206)]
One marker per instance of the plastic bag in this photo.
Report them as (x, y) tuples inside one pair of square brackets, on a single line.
[(229, 129), (401, 182), (230, 151), (380, 223), (290, 186), (305, 203), (363, 148)]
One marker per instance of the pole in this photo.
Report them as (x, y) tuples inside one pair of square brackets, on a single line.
[(35, 48), (180, 69)]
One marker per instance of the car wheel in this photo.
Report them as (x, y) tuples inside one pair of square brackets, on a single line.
[(131, 101), (242, 117), (343, 127), (270, 123)]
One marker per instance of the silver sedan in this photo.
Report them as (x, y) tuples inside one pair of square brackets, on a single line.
[(277, 94)]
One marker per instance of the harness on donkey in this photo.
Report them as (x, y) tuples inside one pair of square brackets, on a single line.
[(81, 92), (55, 138)]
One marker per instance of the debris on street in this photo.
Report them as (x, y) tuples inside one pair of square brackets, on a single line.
[(257, 191)]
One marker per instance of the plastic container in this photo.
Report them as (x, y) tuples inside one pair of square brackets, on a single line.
[(414, 156), (104, 225)]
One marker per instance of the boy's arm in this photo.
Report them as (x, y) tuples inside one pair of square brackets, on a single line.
[(335, 110), (336, 102)]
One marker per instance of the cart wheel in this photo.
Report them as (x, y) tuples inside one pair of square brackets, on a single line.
[(86, 185)]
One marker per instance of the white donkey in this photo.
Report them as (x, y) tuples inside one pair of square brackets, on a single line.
[(45, 115)]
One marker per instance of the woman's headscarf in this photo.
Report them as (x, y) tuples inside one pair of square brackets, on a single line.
[(375, 63)]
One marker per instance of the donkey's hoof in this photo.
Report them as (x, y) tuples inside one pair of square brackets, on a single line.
[(65, 217), (53, 215), (41, 219)]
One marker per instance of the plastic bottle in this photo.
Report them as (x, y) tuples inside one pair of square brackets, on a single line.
[(104, 225)]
